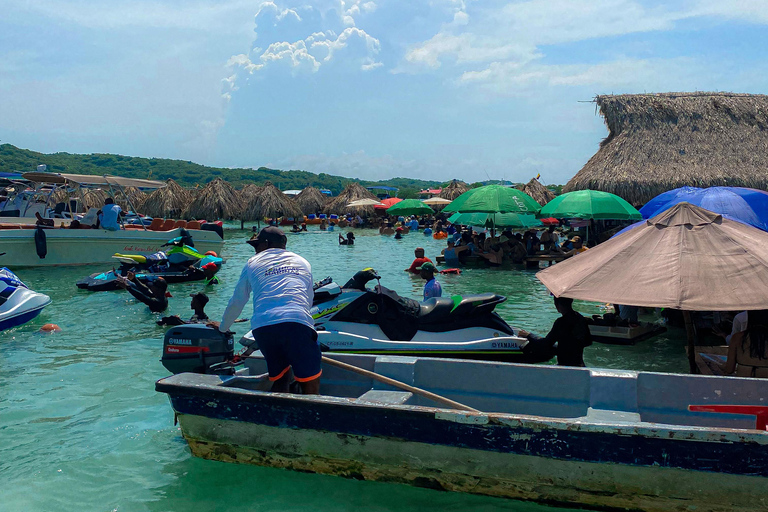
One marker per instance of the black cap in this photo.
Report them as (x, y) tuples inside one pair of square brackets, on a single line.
[(272, 235)]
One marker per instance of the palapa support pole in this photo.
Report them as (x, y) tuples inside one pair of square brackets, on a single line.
[(691, 342)]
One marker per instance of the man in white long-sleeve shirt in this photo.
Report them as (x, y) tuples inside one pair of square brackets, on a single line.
[(283, 328)]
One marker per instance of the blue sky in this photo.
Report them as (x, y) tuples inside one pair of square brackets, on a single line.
[(435, 89)]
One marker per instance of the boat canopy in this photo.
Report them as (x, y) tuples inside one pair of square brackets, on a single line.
[(86, 179)]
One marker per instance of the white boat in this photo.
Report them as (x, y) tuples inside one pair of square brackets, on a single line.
[(18, 304), (29, 245), (625, 335)]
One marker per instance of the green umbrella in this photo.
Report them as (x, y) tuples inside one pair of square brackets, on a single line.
[(409, 207), (495, 220), (493, 199), (589, 204)]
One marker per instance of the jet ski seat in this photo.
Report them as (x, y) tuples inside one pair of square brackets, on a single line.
[(437, 309)]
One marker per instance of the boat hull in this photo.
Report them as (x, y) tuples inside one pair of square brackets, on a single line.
[(596, 438), (89, 246)]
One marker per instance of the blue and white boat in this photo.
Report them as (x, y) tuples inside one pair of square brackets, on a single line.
[(18, 304), (606, 439)]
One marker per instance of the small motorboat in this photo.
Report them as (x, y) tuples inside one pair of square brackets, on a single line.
[(18, 304), (625, 335)]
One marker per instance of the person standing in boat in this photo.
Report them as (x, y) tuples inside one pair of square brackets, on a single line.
[(109, 215), (570, 332), (283, 328)]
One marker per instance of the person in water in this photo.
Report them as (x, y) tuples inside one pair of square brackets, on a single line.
[(350, 240), (431, 288), (418, 262), (570, 332), (399, 233), (295, 228), (283, 328), (154, 294), (199, 300)]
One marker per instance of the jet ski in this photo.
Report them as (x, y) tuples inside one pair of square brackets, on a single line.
[(18, 304), (178, 264), (356, 319)]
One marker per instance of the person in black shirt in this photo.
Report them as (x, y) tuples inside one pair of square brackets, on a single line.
[(154, 294), (570, 332)]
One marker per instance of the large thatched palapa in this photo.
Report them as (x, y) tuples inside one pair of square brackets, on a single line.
[(246, 196), (216, 201), (270, 202), (167, 202), (537, 191), (351, 192), (311, 200), (658, 142), (454, 189)]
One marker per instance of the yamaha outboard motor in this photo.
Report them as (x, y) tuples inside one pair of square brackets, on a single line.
[(196, 348)]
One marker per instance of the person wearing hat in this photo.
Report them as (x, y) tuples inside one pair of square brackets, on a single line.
[(399, 233), (420, 260), (283, 329), (578, 246), (431, 288), (199, 300)]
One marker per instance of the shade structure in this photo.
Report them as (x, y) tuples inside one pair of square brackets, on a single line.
[(496, 220), (270, 202), (364, 202), (386, 203), (352, 192), (217, 200), (409, 207), (550, 221), (436, 201), (453, 190), (311, 200), (169, 201), (493, 199), (590, 204), (746, 205), (653, 206), (684, 258), (537, 191)]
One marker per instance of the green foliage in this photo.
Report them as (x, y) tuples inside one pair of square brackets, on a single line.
[(408, 193), (188, 174)]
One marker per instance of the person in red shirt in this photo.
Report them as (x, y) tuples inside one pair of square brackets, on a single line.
[(420, 259)]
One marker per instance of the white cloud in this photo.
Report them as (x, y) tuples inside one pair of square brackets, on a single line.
[(279, 14)]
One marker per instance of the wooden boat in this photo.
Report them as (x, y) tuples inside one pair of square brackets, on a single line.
[(618, 335), (606, 439)]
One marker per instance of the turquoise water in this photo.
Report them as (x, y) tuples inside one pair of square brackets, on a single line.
[(81, 427)]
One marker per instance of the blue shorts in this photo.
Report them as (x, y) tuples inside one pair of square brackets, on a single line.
[(289, 345)]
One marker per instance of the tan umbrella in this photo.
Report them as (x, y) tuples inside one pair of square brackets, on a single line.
[(437, 201), (363, 202), (217, 200), (685, 258)]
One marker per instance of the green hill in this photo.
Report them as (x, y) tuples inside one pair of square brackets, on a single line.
[(13, 159)]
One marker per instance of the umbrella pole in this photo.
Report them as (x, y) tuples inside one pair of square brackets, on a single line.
[(691, 342)]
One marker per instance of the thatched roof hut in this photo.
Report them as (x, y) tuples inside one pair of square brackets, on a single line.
[(311, 200), (216, 201), (658, 142), (537, 191), (351, 192), (270, 202), (167, 202), (454, 189)]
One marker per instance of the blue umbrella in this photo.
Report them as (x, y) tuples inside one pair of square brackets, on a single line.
[(746, 205), (660, 200)]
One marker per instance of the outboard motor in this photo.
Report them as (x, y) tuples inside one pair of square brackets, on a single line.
[(196, 348)]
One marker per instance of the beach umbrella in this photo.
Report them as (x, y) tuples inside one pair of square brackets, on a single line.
[(167, 202), (409, 207), (436, 201), (453, 190), (217, 200), (590, 204), (650, 208), (386, 203), (550, 221), (311, 200), (685, 258), (364, 202), (496, 220), (493, 199), (747, 205)]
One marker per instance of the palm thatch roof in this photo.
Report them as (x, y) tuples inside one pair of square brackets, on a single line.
[(351, 192), (216, 201), (135, 195), (311, 200), (454, 189), (537, 191), (270, 202), (167, 202), (658, 142)]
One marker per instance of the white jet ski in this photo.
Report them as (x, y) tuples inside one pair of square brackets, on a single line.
[(18, 304), (355, 319)]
